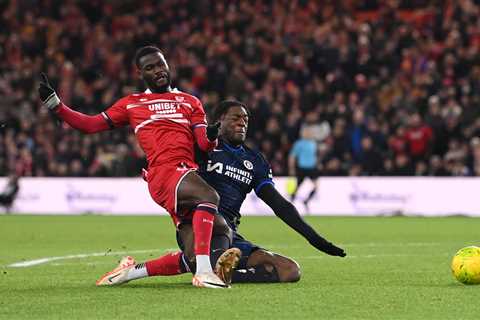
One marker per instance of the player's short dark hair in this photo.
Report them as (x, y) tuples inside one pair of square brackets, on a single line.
[(224, 106), (143, 51)]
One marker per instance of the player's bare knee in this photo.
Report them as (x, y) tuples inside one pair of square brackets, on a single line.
[(292, 273), (288, 271), (208, 195), (213, 197)]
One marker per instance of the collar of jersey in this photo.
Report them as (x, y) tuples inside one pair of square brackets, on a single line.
[(232, 148), (174, 90)]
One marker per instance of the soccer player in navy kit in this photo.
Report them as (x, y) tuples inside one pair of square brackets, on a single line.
[(234, 170)]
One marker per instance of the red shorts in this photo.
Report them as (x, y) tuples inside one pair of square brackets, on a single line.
[(163, 182)]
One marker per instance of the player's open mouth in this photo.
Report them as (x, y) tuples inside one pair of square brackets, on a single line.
[(161, 78)]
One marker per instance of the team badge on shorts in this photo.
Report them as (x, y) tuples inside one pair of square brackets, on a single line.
[(248, 164)]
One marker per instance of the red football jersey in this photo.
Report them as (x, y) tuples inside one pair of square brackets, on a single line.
[(419, 138), (163, 123)]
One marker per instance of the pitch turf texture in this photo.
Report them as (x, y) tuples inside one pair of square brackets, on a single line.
[(397, 268)]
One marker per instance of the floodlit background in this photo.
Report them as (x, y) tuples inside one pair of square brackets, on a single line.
[(403, 74), (387, 88)]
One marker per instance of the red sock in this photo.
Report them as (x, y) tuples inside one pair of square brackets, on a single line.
[(202, 227), (167, 265)]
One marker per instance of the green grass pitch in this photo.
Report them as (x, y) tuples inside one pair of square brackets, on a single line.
[(397, 268)]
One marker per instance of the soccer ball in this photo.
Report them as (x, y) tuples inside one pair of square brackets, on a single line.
[(466, 265)]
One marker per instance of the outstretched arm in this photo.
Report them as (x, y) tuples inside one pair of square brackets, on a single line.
[(77, 120), (83, 122), (289, 214)]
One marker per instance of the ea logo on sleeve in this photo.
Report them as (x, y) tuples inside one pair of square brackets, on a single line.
[(248, 164)]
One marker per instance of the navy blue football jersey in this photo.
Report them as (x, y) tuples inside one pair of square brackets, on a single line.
[(234, 172)]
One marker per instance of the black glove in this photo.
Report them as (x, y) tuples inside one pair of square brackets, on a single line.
[(327, 247), (212, 131), (47, 94)]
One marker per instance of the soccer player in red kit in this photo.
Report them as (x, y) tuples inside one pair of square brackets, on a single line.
[(167, 123)]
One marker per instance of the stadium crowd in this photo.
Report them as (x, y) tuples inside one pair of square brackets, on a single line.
[(386, 92)]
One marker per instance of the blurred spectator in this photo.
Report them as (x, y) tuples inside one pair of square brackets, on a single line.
[(437, 168), (407, 75), (7, 197), (419, 137), (370, 159), (475, 158), (356, 133), (388, 168), (333, 167), (398, 142), (402, 166), (421, 168)]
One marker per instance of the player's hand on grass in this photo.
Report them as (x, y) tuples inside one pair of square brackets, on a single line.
[(47, 94), (328, 248), (212, 131)]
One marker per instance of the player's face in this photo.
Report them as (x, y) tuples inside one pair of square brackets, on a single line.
[(234, 125), (155, 72)]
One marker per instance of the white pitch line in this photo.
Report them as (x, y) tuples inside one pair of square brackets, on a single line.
[(319, 257), (30, 263)]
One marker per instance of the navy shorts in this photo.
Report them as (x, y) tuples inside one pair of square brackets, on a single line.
[(246, 247)]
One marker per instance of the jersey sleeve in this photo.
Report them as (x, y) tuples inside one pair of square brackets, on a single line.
[(295, 149), (262, 174), (198, 117), (116, 115)]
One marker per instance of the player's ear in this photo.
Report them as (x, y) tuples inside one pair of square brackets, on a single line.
[(221, 120), (139, 74)]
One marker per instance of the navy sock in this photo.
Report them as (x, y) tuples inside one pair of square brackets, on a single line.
[(256, 274)]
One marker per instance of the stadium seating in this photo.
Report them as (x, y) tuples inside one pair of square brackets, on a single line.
[(405, 78)]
